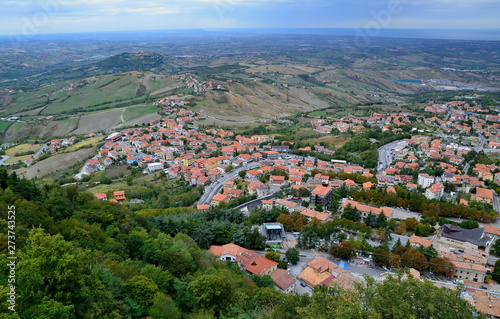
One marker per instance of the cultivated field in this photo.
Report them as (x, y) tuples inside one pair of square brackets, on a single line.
[(135, 112), (91, 141), (55, 163), (99, 121), (4, 126)]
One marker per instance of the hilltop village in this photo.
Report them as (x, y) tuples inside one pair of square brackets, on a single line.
[(428, 201)]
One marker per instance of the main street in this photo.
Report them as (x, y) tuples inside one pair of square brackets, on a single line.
[(216, 186), (385, 156)]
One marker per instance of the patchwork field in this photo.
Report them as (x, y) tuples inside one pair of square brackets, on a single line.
[(88, 142), (55, 163), (99, 121), (135, 112)]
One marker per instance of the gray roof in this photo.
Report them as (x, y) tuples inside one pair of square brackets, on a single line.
[(473, 236)]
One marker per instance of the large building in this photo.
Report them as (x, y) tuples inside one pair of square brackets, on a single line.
[(484, 195), (321, 195), (469, 271), (465, 238), (425, 180), (321, 271)]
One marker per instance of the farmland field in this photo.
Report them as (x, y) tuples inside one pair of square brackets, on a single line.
[(22, 148), (99, 121), (91, 141), (139, 111), (4, 126), (55, 163)]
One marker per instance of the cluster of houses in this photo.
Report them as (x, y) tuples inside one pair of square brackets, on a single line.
[(317, 272)]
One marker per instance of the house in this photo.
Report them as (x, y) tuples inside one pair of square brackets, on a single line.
[(469, 271), (321, 195), (321, 271), (153, 167), (276, 180), (366, 210), (436, 191), (267, 204), (484, 195), (256, 264), (283, 281), (455, 236), (202, 207), (219, 198), (228, 252), (311, 214), (416, 241), (425, 180), (119, 196), (101, 196)]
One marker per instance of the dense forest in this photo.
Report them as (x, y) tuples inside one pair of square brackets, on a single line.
[(78, 257)]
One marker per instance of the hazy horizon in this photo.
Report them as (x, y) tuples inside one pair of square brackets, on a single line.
[(373, 17), (436, 34)]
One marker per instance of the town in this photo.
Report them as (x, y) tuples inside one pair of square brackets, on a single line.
[(429, 203)]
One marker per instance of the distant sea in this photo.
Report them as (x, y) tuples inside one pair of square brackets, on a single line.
[(445, 34)]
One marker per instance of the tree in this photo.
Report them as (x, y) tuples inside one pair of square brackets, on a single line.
[(396, 245), (423, 229), (142, 289), (319, 208), (380, 256), (274, 256), (370, 219), (381, 221), (263, 281), (442, 266), (211, 292), (305, 203), (55, 273), (496, 271), (292, 255), (344, 251), (255, 240), (308, 239), (351, 213), (469, 224), (496, 247), (414, 259), (411, 223)]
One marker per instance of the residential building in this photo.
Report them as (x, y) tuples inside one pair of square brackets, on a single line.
[(219, 198), (321, 271), (484, 195), (228, 252), (425, 180), (455, 236), (469, 271), (322, 195), (283, 281)]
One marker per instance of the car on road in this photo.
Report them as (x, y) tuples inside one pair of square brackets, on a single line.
[(483, 287), (303, 284)]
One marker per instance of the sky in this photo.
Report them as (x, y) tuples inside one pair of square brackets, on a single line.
[(31, 17)]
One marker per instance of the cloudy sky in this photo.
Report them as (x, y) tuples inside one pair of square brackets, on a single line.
[(68, 16)]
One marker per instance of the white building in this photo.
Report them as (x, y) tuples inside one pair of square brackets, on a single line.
[(425, 180)]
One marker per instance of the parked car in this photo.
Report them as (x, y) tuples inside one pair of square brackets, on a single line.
[(303, 284), (483, 287)]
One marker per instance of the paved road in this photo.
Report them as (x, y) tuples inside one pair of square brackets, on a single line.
[(255, 202), (217, 185), (385, 157), (3, 158), (40, 151)]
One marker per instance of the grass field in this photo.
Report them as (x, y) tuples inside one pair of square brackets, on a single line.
[(318, 113), (22, 148), (99, 121), (55, 163), (139, 111), (337, 141), (4, 126), (91, 141)]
